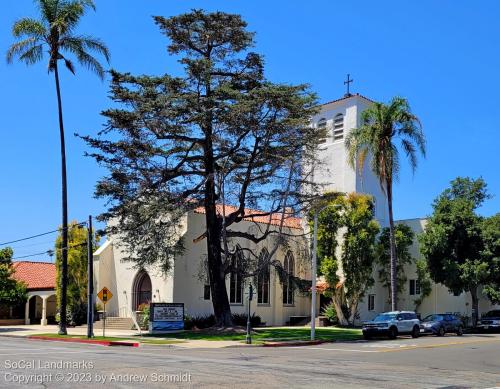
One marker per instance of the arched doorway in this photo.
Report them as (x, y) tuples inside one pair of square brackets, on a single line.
[(141, 292)]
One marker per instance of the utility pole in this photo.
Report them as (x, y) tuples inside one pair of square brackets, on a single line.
[(249, 329), (90, 282), (314, 272)]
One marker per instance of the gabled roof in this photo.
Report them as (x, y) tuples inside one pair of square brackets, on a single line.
[(274, 219), (36, 275), (348, 97)]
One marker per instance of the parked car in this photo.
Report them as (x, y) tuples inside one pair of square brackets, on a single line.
[(392, 324), (490, 321), (440, 324)]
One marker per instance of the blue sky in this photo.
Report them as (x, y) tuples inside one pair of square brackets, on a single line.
[(444, 56)]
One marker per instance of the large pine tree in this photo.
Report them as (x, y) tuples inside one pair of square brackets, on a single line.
[(220, 133)]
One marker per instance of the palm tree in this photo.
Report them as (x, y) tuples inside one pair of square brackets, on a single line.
[(53, 33), (383, 125)]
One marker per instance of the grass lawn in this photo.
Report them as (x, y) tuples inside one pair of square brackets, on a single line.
[(261, 335), (115, 339)]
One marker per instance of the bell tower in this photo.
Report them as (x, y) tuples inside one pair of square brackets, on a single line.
[(337, 118)]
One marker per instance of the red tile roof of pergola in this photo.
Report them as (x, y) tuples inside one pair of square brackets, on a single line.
[(36, 275)]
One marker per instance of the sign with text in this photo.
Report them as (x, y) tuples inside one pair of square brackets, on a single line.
[(166, 317)]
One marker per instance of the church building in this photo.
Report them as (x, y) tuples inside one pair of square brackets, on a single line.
[(277, 303)]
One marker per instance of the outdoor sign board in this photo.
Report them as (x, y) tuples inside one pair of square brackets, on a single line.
[(164, 317)]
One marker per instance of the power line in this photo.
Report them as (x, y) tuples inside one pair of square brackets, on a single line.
[(49, 252), (31, 255), (38, 235)]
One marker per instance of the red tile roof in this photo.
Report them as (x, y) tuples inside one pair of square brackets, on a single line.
[(274, 219), (36, 275)]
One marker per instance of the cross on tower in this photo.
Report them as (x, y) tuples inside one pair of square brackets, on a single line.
[(347, 82)]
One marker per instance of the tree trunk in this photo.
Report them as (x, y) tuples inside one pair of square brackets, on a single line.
[(216, 271), (353, 310), (64, 244), (392, 240), (475, 305), (337, 302)]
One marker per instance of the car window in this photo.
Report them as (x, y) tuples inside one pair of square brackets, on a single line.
[(493, 314), (400, 317), (433, 318), (384, 317)]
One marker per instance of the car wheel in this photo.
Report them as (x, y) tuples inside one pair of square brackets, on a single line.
[(441, 331), (460, 331), (393, 333), (367, 337), (416, 332)]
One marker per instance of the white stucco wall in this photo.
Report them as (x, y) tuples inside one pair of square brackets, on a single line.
[(189, 288), (439, 301), (184, 284)]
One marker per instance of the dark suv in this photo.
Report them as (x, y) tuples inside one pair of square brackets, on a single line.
[(392, 324), (440, 324)]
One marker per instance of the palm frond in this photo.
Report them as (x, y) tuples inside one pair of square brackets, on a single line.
[(29, 27), (19, 48), (69, 14), (76, 47), (89, 43), (48, 9), (32, 55), (69, 65)]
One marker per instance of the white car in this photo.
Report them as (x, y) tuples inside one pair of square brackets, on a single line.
[(392, 324)]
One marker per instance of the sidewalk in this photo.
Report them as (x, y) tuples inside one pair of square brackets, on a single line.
[(28, 330)]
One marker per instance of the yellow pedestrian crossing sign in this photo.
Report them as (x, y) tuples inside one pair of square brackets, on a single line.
[(105, 295)]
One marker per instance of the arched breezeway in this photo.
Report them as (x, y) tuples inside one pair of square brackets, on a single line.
[(41, 307)]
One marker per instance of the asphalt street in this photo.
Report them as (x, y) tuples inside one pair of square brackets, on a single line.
[(471, 361)]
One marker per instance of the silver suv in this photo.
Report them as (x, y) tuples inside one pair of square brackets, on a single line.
[(392, 324)]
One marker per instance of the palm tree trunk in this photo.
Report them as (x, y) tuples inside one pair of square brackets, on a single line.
[(64, 245), (394, 292)]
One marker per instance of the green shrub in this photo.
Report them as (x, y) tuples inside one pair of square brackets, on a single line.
[(330, 313), (208, 321)]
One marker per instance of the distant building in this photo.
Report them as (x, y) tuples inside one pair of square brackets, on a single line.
[(40, 279)]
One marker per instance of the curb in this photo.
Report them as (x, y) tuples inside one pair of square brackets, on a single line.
[(88, 341), (297, 343)]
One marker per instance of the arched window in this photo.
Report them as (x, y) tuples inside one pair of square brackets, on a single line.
[(263, 278), (289, 267), (235, 278), (322, 131), (338, 127)]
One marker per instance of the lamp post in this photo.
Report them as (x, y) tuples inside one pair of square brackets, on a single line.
[(249, 330)]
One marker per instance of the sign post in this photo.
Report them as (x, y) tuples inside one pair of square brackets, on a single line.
[(166, 317), (104, 295)]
